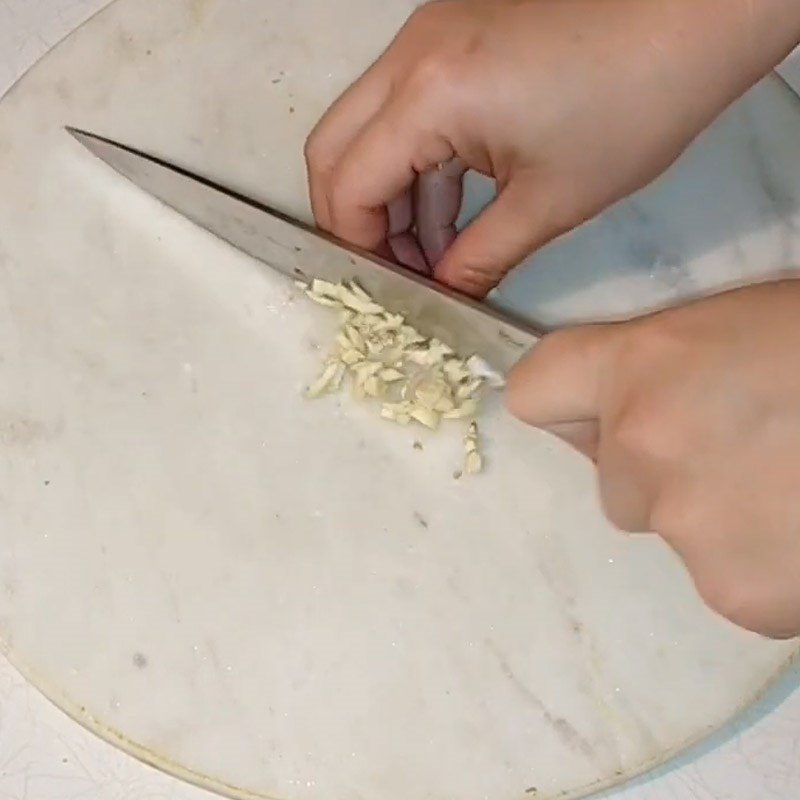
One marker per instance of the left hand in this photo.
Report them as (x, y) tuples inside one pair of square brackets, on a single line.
[(568, 105)]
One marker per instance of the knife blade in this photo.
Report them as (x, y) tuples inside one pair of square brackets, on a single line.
[(301, 252)]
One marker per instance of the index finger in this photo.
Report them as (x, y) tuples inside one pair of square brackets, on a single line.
[(336, 129), (561, 379), (382, 162)]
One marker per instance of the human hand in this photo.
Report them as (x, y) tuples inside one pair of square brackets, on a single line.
[(569, 105), (692, 416)]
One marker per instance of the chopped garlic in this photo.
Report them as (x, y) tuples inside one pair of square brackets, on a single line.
[(455, 370), (444, 404), (321, 384), (390, 375), (467, 390), (385, 358), (481, 368), (351, 357), (367, 368), (428, 417), (358, 291), (355, 337), (325, 288), (323, 300), (473, 463), (357, 303), (336, 381), (467, 409), (373, 387)]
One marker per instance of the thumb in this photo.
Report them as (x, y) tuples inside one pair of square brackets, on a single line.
[(521, 219), (562, 379)]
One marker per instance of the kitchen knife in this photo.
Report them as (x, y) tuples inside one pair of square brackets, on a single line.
[(302, 252)]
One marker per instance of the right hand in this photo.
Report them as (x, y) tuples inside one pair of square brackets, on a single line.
[(569, 105), (691, 416)]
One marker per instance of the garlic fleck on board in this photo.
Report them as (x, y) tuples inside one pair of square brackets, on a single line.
[(414, 379), (473, 460)]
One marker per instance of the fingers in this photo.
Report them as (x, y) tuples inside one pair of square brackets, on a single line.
[(562, 386), (627, 491), (402, 241), (363, 160), (561, 379), (334, 132), (521, 219), (381, 164), (438, 194), (583, 436)]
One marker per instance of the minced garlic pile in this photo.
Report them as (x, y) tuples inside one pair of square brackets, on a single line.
[(415, 379)]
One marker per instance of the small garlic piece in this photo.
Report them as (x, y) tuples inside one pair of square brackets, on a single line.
[(481, 369), (336, 381), (468, 389), (444, 404), (351, 357), (358, 291), (390, 375), (356, 303), (426, 416), (326, 288), (323, 300), (373, 387), (367, 368), (455, 370), (473, 463), (355, 337), (321, 384), (467, 409)]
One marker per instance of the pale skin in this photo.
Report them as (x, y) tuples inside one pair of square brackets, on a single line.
[(691, 416)]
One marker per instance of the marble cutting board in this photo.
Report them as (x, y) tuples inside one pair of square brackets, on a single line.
[(274, 598)]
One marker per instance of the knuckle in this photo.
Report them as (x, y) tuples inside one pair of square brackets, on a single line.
[(341, 195), (652, 341), (764, 604), (758, 594), (650, 424), (624, 503), (746, 601), (721, 594), (430, 13), (616, 514), (436, 75), (643, 430), (671, 516), (316, 153)]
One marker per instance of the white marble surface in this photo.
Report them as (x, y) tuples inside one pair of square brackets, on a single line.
[(790, 70), (760, 762)]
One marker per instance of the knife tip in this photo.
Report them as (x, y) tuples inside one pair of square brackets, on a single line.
[(76, 133)]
